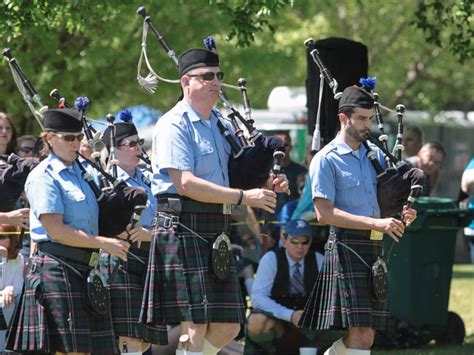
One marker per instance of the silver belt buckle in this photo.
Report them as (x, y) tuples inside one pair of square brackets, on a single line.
[(227, 208), (94, 260)]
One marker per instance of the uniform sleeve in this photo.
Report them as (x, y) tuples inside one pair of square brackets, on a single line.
[(172, 148), (44, 195), (322, 178), (262, 288)]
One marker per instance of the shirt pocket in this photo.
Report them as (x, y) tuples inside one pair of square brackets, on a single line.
[(204, 159), (348, 188), (75, 206)]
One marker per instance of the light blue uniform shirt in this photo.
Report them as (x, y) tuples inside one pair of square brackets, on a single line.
[(141, 180), (53, 187), (346, 178), (263, 284), (183, 140)]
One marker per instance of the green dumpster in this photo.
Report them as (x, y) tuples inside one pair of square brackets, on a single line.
[(420, 266)]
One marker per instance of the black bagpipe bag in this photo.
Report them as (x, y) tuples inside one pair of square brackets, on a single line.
[(251, 169), (117, 206), (394, 186), (13, 174)]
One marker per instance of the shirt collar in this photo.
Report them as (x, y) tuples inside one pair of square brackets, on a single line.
[(343, 148), (56, 164), (123, 175), (193, 115)]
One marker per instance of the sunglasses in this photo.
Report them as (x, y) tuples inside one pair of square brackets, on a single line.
[(209, 76), (26, 149), (71, 137), (133, 143), (300, 241)]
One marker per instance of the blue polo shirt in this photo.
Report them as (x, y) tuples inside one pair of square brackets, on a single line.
[(347, 178), (184, 140), (141, 180), (53, 187)]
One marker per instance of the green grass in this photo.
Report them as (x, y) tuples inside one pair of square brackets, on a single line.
[(461, 301)]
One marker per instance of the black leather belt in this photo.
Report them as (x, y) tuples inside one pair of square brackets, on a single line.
[(202, 207), (192, 206), (360, 232), (88, 257)]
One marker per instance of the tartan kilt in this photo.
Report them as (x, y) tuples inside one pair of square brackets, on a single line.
[(52, 317), (126, 293), (340, 297), (178, 286)]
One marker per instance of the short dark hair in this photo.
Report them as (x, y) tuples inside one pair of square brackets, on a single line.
[(436, 146), (348, 111)]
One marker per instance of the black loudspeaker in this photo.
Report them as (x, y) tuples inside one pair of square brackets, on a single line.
[(347, 61)]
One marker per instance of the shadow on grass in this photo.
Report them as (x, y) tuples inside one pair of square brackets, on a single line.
[(463, 274), (431, 349)]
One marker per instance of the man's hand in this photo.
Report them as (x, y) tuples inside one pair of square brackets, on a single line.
[(408, 216), (280, 182), (296, 316), (260, 198), (391, 226)]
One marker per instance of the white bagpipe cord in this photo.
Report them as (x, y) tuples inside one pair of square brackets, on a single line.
[(316, 143), (150, 82), (38, 114)]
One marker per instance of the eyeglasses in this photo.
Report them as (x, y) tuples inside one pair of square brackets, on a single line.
[(208, 76), (133, 143), (71, 137), (26, 149), (300, 241)]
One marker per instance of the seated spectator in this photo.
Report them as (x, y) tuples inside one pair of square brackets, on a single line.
[(429, 159), (282, 284), (412, 141), (11, 275)]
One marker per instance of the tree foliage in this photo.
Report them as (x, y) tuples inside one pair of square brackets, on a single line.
[(91, 49), (447, 23)]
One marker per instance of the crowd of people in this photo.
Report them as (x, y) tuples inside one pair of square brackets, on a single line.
[(175, 280)]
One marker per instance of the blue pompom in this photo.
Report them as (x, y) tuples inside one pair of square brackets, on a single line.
[(126, 115), (81, 103), (368, 83), (210, 43)]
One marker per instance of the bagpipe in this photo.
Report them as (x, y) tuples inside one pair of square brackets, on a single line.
[(13, 173), (118, 203), (252, 152), (398, 182)]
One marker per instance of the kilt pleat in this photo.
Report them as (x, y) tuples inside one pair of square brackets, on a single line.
[(126, 292), (53, 317), (340, 298), (179, 286)]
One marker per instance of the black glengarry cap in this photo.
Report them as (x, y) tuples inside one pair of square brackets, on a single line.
[(354, 96), (196, 58), (62, 120)]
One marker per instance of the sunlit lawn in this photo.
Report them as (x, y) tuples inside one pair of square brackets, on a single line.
[(461, 301)]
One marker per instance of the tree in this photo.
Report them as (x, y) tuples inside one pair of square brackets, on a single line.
[(92, 48)]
